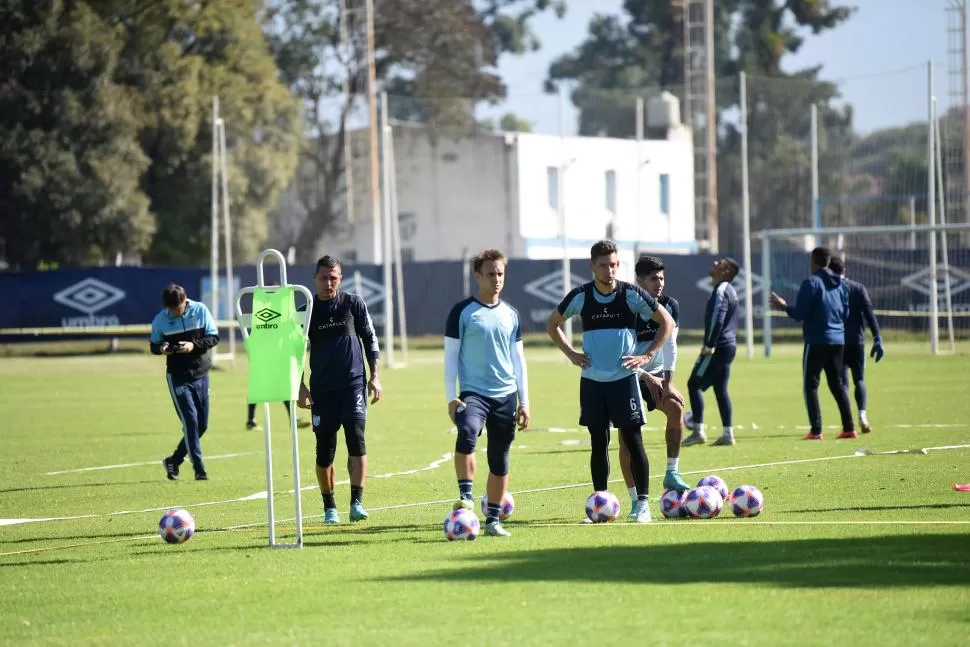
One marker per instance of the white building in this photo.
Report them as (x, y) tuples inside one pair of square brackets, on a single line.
[(459, 196)]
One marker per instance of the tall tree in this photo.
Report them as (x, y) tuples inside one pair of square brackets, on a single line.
[(176, 57), (435, 59), (641, 54), (69, 159)]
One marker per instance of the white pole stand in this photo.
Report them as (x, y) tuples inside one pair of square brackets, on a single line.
[(245, 325)]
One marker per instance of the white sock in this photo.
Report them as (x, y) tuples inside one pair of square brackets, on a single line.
[(699, 428), (862, 414), (728, 432), (673, 463), (633, 493)]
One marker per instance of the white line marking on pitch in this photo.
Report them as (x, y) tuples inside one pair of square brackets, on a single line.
[(113, 467), (256, 496), (433, 465)]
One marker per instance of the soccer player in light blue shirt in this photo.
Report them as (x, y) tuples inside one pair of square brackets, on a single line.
[(608, 389), (485, 355)]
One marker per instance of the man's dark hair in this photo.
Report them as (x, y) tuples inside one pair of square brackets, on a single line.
[(837, 265), (601, 248), (173, 295), (821, 256), (733, 264), (647, 265), (328, 261), (488, 255)]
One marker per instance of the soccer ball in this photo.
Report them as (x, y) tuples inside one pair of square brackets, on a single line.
[(717, 483), (461, 525), (672, 504), (689, 420), (747, 501), (176, 526), (602, 507), (508, 506), (703, 502)]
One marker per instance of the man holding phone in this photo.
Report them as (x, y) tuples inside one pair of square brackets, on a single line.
[(184, 331)]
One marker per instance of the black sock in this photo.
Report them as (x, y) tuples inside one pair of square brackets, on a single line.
[(328, 501), (356, 494), (465, 489), (494, 510)]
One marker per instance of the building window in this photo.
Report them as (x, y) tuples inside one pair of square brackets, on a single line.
[(611, 192), (409, 226), (552, 181), (665, 194)]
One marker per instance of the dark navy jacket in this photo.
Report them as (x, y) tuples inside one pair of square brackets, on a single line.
[(822, 305), (861, 315), (337, 328)]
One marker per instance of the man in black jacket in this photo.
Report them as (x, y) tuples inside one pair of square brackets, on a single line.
[(184, 331), (860, 317)]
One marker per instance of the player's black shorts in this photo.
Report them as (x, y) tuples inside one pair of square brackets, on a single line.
[(333, 408), (713, 368), (647, 398), (617, 402), (854, 359), (497, 415)]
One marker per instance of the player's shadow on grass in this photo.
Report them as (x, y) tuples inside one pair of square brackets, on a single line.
[(885, 562), (74, 536)]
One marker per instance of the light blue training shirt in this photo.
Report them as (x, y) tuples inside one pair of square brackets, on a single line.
[(487, 337)]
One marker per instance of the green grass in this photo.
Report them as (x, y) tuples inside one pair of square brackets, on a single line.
[(853, 550)]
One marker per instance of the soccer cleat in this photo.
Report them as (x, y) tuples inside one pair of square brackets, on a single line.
[(812, 436), (463, 504), (633, 510), (171, 469), (724, 441), (695, 438), (251, 425), (673, 481), (330, 516), (847, 434), (495, 529), (961, 487), (643, 513), (357, 512), (864, 426), (201, 476)]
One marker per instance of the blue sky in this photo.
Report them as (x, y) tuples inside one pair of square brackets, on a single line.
[(879, 56)]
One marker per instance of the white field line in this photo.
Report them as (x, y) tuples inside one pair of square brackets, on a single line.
[(444, 459), (158, 462)]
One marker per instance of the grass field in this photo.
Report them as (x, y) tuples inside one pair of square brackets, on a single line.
[(864, 550)]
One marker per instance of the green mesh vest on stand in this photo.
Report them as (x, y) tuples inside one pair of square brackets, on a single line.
[(276, 347)]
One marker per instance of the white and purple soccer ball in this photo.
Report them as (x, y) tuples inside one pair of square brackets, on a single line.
[(747, 501), (602, 506), (703, 502), (717, 483), (461, 525), (672, 504), (176, 526), (508, 506)]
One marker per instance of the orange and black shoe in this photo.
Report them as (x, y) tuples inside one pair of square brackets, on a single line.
[(812, 436), (847, 434)]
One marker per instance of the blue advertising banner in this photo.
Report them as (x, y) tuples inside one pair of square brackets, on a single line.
[(897, 280)]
